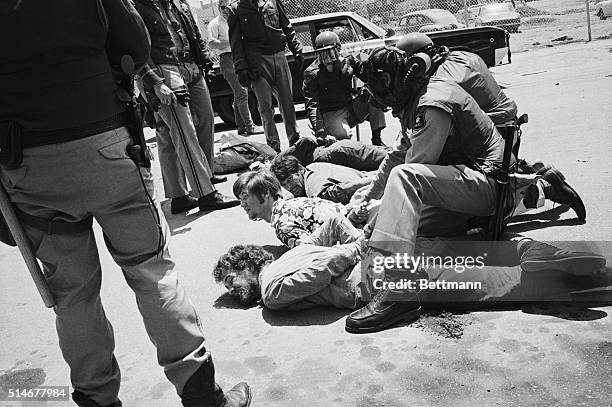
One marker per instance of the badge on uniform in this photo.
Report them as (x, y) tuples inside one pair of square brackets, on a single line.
[(419, 121)]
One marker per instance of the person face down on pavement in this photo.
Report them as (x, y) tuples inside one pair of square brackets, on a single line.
[(238, 270), (328, 272), (294, 220), (290, 173)]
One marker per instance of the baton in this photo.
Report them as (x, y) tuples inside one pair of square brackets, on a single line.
[(6, 207)]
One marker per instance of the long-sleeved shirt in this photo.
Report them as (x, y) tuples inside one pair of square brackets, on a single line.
[(423, 147), (297, 218), (310, 276), (218, 35), (333, 182)]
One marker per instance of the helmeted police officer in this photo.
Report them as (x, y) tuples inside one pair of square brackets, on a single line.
[(450, 168), (65, 162), (470, 72), (328, 89)]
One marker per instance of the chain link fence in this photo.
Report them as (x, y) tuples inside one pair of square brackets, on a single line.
[(532, 24)]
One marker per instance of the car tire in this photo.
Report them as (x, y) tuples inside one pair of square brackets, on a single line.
[(225, 109), (601, 14)]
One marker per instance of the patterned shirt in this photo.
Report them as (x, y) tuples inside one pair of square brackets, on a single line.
[(295, 218)]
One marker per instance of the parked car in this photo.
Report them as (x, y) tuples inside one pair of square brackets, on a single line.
[(501, 15), (603, 9), (359, 37), (432, 19)]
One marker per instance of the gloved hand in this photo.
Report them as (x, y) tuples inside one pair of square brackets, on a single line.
[(244, 78), (299, 62), (182, 96), (209, 77), (346, 69)]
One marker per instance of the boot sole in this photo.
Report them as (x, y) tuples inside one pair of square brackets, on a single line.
[(409, 317), (580, 265)]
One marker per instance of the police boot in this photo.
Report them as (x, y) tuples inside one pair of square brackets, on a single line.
[(376, 140), (82, 400), (558, 190), (202, 391), (397, 301)]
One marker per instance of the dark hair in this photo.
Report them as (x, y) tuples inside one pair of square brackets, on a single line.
[(258, 183), (239, 258), (285, 166)]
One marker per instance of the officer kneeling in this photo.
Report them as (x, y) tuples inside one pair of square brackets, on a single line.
[(445, 168)]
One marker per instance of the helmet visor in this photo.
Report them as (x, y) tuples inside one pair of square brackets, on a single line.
[(328, 55)]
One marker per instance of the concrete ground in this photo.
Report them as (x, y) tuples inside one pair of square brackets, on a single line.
[(533, 356)]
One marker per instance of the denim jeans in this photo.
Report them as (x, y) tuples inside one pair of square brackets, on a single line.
[(242, 114)]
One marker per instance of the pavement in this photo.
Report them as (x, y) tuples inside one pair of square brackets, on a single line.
[(540, 355)]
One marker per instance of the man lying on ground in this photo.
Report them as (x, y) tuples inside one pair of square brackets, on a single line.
[(333, 182), (293, 219), (349, 153), (316, 274)]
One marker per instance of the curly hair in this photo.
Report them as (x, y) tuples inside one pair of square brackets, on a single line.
[(241, 258), (285, 166), (259, 183)]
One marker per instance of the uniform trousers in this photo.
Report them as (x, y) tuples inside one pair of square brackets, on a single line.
[(242, 114), (275, 80), (339, 122), (187, 149), (412, 187), (95, 177)]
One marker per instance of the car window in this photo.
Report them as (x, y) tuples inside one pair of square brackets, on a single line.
[(362, 32), (302, 31), (341, 27)]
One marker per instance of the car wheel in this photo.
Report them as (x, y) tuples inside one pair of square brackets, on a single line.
[(602, 16), (225, 109)]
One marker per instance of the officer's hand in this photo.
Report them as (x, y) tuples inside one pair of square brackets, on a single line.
[(346, 69), (209, 77), (165, 94), (359, 214), (329, 140), (244, 78), (299, 62), (182, 96)]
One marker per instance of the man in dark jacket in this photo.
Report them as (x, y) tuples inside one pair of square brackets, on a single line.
[(258, 32), (328, 89), (64, 162), (175, 85)]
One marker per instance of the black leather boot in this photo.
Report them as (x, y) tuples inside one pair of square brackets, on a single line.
[(376, 140), (390, 305), (82, 400), (202, 391), (558, 190)]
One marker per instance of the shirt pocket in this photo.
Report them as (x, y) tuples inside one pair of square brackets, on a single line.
[(252, 26)]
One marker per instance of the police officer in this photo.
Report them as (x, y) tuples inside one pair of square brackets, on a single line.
[(259, 30), (64, 146), (470, 72), (450, 167), (175, 80), (328, 88)]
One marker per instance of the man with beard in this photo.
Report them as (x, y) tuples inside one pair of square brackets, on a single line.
[(323, 273)]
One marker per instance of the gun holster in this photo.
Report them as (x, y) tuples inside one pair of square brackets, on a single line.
[(11, 145)]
